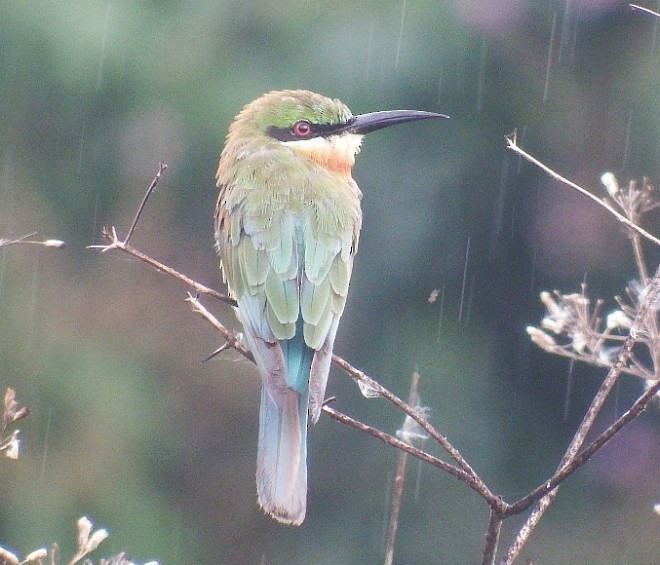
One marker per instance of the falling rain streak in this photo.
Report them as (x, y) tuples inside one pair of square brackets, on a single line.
[(400, 39), (481, 79), (569, 390), (548, 66), (464, 285), (626, 143)]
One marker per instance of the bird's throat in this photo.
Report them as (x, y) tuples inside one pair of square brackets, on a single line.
[(336, 153)]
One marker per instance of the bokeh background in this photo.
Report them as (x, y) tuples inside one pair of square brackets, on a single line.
[(131, 429)]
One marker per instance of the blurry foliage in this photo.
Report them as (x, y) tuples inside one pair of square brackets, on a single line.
[(132, 429)]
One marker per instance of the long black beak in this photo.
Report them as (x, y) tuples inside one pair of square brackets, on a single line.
[(366, 123)]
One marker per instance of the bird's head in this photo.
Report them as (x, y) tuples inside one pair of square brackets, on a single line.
[(320, 129)]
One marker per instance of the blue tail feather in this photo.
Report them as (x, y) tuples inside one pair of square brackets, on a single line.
[(282, 450)]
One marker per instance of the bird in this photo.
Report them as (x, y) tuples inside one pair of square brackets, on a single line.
[(287, 226)]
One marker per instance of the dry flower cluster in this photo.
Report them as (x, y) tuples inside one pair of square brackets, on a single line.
[(87, 541), (578, 328)]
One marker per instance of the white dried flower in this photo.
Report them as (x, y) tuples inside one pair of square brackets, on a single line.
[(579, 299), (618, 320), (14, 447), (607, 355), (540, 338), (559, 314), (610, 183), (580, 342), (84, 529), (550, 303), (555, 325), (97, 537), (36, 555), (58, 243), (8, 557)]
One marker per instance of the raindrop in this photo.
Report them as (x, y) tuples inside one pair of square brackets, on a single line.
[(95, 217), (104, 41), (626, 143), (498, 216), (617, 399), (441, 312), (370, 50), (532, 278), (654, 41), (3, 266), (521, 138), (463, 286), (400, 39), (468, 309), (569, 390), (418, 479), (80, 150), (548, 66), (481, 80), (565, 29), (440, 83), (44, 457)]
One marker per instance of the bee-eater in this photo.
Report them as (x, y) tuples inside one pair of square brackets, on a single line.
[(287, 225)]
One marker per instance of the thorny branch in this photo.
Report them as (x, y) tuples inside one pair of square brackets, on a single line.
[(545, 493)]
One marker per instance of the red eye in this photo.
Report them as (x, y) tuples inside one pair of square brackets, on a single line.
[(302, 128)]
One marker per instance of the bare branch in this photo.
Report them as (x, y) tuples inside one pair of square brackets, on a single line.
[(25, 240), (116, 243), (635, 7), (513, 145), (569, 457), (399, 479), (476, 483), (162, 167), (492, 537), (397, 443), (233, 340)]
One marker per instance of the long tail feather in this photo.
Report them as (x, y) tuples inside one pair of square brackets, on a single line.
[(282, 450), (282, 455)]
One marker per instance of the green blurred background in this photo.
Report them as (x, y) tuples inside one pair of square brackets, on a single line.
[(131, 429)]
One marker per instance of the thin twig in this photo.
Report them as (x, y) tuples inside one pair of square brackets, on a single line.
[(232, 339), (116, 243), (398, 444), (476, 482), (162, 167), (512, 144), (492, 537), (399, 479), (591, 359), (587, 453), (25, 240), (643, 9)]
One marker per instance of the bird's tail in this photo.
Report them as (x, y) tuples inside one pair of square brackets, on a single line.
[(282, 450)]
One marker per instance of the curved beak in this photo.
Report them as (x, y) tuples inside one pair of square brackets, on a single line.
[(366, 123)]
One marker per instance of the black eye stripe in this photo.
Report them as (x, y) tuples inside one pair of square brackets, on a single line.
[(317, 130)]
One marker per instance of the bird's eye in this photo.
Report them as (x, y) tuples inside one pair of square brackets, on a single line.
[(302, 128)]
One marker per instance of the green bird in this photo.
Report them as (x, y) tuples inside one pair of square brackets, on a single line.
[(287, 225)]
